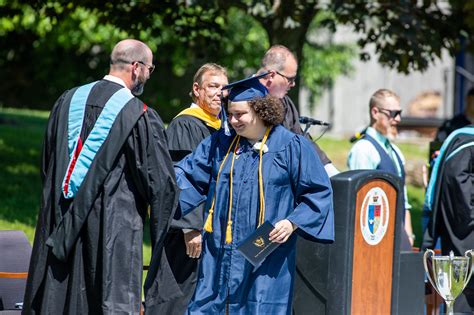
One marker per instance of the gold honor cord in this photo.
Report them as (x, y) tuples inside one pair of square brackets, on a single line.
[(260, 178), (228, 231), (208, 225)]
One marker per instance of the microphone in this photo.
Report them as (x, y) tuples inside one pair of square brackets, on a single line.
[(311, 121)]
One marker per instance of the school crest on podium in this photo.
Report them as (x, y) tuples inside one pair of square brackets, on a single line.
[(374, 216)]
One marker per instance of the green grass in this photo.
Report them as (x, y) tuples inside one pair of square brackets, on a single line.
[(21, 138), (416, 198), (337, 150), (21, 134)]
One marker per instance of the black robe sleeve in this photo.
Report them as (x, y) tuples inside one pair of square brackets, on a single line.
[(155, 173), (292, 123), (184, 134)]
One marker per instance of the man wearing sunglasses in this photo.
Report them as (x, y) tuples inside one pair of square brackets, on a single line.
[(375, 150), (282, 67)]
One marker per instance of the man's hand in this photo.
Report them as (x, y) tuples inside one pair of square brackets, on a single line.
[(193, 241), (282, 231)]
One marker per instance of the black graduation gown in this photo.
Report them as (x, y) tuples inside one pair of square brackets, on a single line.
[(94, 265), (453, 209), (178, 272), (292, 123)]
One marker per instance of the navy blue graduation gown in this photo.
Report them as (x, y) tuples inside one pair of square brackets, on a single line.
[(296, 188)]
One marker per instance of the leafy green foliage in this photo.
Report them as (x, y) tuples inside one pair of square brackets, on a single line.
[(20, 146), (323, 60), (49, 46), (408, 35)]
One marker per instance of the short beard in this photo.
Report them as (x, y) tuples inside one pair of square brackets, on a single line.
[(138, 88)]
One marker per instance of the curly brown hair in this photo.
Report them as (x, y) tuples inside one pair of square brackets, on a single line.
[(269, 109)]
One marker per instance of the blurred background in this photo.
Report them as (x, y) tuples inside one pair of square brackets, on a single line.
[(346, 50)]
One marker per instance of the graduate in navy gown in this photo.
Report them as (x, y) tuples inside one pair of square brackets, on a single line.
[(258, 172)]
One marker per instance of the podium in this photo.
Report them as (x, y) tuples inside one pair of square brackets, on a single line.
[(363, 271)]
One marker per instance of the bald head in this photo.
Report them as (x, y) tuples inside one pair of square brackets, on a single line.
[(132, 61), (282, 67), (127, 51), (276, 58)]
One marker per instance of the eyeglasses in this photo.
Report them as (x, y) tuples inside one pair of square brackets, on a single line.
[(391, 113), (290, 80), (151, 67)]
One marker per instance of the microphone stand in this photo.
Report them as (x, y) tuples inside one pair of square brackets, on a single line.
[(306, 128)]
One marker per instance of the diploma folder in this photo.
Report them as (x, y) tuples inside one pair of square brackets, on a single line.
[(257, 246)]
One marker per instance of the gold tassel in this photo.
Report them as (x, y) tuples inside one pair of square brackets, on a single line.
[(208, 224), (261, 217), (228, 232)]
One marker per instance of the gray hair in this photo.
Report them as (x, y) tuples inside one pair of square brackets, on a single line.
[(275, 58)]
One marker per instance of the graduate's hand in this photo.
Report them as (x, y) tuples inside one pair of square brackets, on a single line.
[(193, 241), (282, 231)]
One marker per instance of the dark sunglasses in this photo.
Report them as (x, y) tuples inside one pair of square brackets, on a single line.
[(390, 113), (289, 79)]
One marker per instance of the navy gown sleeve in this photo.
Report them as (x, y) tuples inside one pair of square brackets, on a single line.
[(193, 175), (313, 213), (184, 135)]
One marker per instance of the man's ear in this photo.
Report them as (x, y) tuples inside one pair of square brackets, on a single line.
[(195, 89), (268, 79), (134, 70), (373, 113)]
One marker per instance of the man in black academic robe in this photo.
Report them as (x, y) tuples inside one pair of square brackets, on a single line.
[(281, 67), (179, 264), (87, 252), (452, 203)]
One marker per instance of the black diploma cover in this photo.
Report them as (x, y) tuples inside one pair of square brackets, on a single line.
[(257, 246)]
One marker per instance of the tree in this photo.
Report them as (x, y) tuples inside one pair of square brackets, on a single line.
[(408, 35)]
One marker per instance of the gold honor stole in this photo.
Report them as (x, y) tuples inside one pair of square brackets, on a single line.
[(198, 112)]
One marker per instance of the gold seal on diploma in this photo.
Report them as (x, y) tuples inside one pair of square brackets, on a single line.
[(259, 242)]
